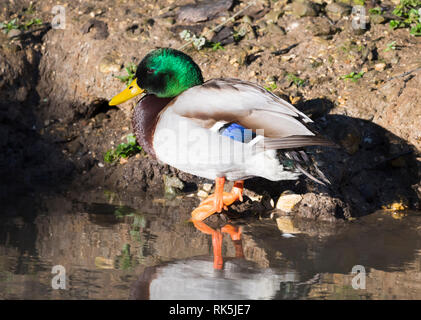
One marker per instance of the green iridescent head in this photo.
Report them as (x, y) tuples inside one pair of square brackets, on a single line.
[(167, 72)]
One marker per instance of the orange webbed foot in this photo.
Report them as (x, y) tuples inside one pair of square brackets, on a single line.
[(218, 201)]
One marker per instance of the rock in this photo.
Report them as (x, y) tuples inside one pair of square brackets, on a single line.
[(110, 63), (202, 194), (322, 28), (242, 58), (275, 29), (273, 16), (172, 185), (336, 11), (224, 36), (203, 11), (322, 207), (287, 202), (253, 195), (247, 31), (207, 187), (247, 19), (377, 18), (304, 9), (262, 25), (14, 33), (169, 21), (380, 66)]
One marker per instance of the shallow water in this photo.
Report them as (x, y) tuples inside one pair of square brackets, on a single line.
[(145, 249)]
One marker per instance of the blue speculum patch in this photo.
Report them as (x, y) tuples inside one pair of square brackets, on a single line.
[(237, 132)]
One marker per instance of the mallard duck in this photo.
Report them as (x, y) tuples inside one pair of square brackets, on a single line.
[(220, 129)]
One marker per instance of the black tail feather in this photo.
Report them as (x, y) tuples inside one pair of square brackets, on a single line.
[(300, 159)]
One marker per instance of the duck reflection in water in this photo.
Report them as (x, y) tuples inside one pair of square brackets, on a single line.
[(198, 277), (233, 231)]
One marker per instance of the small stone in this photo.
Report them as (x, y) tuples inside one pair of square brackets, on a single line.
[(109, 64), (275, 29), (380, 66), (287, 202), (14, 33), (252, 73), (123, 160), (202, 194), (169, 21), (247, 19), (273, 16), (247, 31), (203, 11), (172, 185), (322, 28), (100, 164), (288, 57), (377, 19), (207, 187), (337, 10), (262, 25), (242, 58), (304, 9)]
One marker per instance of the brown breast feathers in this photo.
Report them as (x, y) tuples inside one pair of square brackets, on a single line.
[(145, 118)]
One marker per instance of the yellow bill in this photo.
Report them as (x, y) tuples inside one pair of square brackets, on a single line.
[(130, 92)]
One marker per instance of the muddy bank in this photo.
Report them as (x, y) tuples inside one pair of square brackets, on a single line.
[(56, 125)]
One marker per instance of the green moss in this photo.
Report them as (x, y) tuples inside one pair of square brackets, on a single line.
[(296, 80), (131, 73), (353, 76), (123, 150), (7, 26), (217, 46), (408, 15), (390, 46), (272, 86), (375, 11)]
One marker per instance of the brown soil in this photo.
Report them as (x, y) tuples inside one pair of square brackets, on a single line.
[(55, 124)]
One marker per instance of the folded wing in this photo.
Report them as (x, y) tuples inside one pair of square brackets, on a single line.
[(251, 106)]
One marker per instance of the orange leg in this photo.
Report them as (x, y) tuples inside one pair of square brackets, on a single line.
[(215, 203), (219, 194)]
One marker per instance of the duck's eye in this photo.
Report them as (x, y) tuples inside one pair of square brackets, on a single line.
[(131, 87)]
